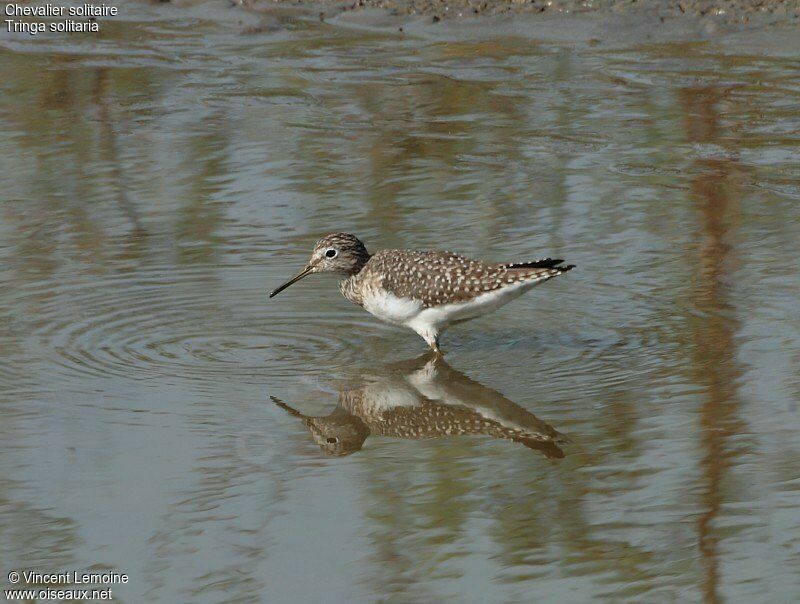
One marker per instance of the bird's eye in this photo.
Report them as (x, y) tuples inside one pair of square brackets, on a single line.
[(331, 253), (332, 440)]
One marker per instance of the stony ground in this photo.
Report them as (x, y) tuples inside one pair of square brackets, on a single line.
[(729, 10)]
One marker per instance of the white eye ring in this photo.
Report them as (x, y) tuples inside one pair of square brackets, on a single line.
[(331, 253)]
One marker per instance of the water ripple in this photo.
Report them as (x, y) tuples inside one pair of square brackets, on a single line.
[(168, 322)]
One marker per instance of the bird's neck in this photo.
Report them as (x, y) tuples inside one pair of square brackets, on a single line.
[(349, 285), (360, 264), (349, 288), (356, 268)]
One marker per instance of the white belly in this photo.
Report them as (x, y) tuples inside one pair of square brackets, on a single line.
[(430, 322), (440, 317)]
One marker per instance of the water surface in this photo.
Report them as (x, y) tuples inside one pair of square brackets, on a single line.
[(159, 179)]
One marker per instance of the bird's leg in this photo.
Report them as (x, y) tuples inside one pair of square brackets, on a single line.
[(431, 337)]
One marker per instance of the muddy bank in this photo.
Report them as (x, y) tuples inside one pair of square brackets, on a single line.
[(763, 26), (722, 10)]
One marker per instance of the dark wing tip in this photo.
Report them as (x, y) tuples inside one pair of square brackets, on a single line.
[(543, 263)]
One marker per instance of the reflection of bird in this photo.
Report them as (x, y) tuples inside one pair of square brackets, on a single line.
[(424, 291), (423, 399)]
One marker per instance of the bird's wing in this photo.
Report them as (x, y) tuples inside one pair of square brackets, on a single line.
[(437, 278)]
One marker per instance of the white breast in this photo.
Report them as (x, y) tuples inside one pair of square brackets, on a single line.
[(391, 308)]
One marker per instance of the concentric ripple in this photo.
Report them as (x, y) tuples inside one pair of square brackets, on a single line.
[(170, 323)]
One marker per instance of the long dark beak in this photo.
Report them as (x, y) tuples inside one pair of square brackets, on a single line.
[(286, 407), (306, 271)]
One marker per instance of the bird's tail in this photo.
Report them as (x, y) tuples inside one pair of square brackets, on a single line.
[(539, 271), (547, 447)]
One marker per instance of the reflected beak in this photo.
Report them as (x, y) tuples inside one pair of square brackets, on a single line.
[(289, 409), (306, 271)]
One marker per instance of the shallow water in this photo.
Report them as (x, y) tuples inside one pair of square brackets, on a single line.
[(160, 179)]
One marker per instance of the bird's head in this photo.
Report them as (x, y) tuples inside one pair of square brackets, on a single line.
[(338, 253), (338, 434)]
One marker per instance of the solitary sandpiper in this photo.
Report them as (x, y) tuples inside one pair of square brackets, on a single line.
[(422, 399), (426, 291)]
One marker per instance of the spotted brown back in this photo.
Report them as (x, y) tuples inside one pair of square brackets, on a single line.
[(437, 278)]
